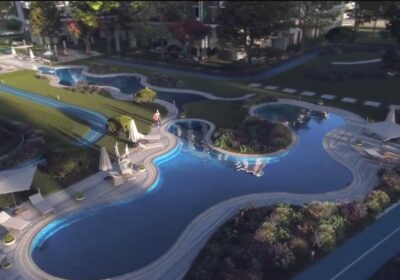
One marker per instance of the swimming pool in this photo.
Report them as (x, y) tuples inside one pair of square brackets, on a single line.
[(125, 83), (121, 237)]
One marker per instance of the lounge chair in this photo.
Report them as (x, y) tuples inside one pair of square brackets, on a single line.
[(13, 222), (41, 204)]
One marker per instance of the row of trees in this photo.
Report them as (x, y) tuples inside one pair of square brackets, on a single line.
[(239, 23)]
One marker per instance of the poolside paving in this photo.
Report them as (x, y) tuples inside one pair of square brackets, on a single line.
[(394, 106), (270, 87), (349, 100), (372, 103), (328, 96), (308, 93), (289, 90)]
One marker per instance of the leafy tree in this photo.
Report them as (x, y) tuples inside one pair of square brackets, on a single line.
[(45, 19), (84, 21), (377, 200), (392, 180), (367, 11), (313, 15), (325, 237), (267, 233), (285, 215), (392, 14), (321, 210), (282, 256), (341, 35), (354, 211), (145, 95), (188, 32), (106, 14), (337, 222), (242, 23), (118, 124)]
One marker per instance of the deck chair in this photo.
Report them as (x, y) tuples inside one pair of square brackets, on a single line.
[(41, 204), (13, 222)]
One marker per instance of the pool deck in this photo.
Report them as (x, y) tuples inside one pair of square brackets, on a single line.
[(176, 261)]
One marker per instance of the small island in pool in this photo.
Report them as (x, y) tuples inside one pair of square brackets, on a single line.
[(254, 136)]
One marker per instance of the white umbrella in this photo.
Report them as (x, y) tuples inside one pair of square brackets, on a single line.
[(116, 150), (48, 53), (105, 162), (23, 41), (55, 50), (65, 47), (126, 150), (13, 52), (32, 56), (133, 132), (391, 116), (16, 180)]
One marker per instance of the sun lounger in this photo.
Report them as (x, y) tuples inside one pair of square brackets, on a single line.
[(12, 222), (41, 204)]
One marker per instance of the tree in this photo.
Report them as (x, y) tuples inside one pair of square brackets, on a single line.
[(84, 22), (118, 124), (354, 211), (285, 215), (367, 11), (45, 19), (392, 14), (312, 15), (282, 256), (267, 233), (145, 95), (242, 23), (13, 24), (325, 237), (321, 210), (376, 201), (188, 32), (106, 14), (341, 35)]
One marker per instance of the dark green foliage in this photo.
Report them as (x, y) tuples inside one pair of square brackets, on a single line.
[(341, 35)]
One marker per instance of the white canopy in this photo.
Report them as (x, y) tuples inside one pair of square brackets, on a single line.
[(31, 54), (16, 180), (385, 130), (134, 134), (105, 162), (391, 116)]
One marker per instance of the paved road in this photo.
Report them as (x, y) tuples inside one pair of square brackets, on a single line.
[(263, 75), (362, 255), (95, 121)]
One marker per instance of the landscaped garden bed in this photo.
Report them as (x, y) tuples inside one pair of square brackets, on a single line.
[(279, 241), (253, 136)]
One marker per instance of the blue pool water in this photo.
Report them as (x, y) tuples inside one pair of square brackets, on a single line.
[(126, 84), (121, 237)]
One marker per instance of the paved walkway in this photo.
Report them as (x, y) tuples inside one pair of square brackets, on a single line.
[(359, 257)]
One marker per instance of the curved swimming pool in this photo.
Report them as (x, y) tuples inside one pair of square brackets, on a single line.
[(127, 84), (123, 236)]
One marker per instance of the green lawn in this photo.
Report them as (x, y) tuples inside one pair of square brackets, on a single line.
[(375, 89), (61, 129)]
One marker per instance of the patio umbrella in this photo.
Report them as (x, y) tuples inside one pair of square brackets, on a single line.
[(105, 162), (16, 180), (133, 132), (13, 52), (55, 50), (48, 53), (65, 47), (32, 56), (391, 116), (116, 150)]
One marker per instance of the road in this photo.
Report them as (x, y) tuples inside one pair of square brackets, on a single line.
[(359, 257)]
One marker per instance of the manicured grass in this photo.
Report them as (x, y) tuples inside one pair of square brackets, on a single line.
[(382, 90), (109, 107)]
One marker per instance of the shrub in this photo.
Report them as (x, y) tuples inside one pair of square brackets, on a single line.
[(285, 215), (376, 201), (145, 95), (267, 233), (324, 237), (391, 179), (341, 35), (8, 238), (79, 195), (282, 256), (141, 167), (118, 124), (321, 210)]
